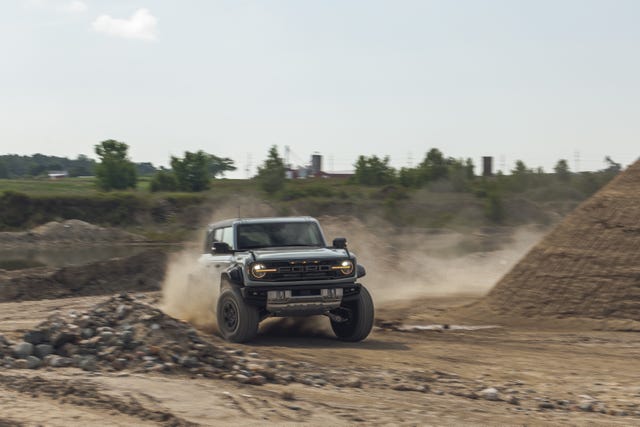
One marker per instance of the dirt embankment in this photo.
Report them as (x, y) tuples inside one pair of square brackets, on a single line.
[(143, 272), (588, 266), (68, 232)]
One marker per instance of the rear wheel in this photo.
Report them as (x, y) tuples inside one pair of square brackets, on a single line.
[(359, 321), (237, 321)]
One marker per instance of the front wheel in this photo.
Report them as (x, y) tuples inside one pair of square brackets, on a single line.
[(237, 321), (359, 318)]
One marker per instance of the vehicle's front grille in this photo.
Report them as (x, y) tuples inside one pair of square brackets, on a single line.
[(303, 270)]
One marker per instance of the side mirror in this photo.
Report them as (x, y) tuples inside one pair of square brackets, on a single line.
[(220, 248), (340, 243)]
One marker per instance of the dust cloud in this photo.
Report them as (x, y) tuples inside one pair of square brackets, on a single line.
[(404, 264), (188, 293), (189, 290)]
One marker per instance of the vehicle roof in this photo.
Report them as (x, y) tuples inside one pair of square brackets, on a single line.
[(231, 221)]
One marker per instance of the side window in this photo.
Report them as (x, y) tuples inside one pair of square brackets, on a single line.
[(217, 235), (227, 236)]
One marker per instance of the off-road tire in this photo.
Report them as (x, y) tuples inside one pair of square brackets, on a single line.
[(237, 321), (360, 321)]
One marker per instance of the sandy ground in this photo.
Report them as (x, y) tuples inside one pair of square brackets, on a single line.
[(542, 372)]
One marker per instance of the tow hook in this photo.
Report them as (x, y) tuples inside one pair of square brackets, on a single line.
[(335, 317)]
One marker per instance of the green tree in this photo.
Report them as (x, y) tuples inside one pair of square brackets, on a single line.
[(115, 171), (434, 166), (272, 173), (4, 171), (82, 166), (521, 176), (374, 171), (163, 180), (494, 208), (460, 173), (409, 177), (562, 170), (220, 165), (192, 171)]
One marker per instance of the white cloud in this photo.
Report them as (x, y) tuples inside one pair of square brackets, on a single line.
[(141, 25), (75, 6)]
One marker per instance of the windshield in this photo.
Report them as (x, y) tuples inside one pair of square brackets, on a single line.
[(279, 234)]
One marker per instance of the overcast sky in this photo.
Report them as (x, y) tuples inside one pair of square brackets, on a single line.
[(532, 80)]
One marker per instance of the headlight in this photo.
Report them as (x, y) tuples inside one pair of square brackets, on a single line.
[(345, 267), (259, 271)]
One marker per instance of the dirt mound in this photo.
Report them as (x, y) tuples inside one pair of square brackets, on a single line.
[(127, 333), (70, 231), (588, 266), (143, 272)]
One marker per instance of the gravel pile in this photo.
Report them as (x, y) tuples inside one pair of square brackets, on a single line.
[(126, 333)]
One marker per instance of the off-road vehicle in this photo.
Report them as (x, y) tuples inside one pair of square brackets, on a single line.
[(278, 267)]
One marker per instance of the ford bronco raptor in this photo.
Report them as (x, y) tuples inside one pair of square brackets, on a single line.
[(277, 267)]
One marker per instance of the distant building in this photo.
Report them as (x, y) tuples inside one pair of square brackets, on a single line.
[(314, 170), (57, 174)]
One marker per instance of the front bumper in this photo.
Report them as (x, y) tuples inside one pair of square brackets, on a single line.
[(302, 300), (286, 303)]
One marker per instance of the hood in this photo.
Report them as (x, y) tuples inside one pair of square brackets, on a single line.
[(289, 254)]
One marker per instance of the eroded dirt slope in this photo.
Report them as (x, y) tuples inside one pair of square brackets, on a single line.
[(588, 266)]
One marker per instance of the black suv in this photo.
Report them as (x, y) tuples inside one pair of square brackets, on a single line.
[(283, 267)]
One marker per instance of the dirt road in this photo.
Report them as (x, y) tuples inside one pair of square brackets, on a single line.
[(551, 374)]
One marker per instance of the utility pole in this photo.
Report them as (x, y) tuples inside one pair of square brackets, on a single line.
[(287, 150), (247, 168)]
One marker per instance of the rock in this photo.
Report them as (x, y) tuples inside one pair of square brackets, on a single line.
[(87, 333), (33, 362), (43, 350), (35, 337), (63, 337), (7, 362), (189, 362), (67, 350), (123, 311), (256, 380), (514, 400), (403, 387), (353, 382), (288, 395), (119, 364), (545, 404), (20, 364), (586, 405), (217, 363), (22, 350), (490, 394), (87, 363), (61, 362), (241, 378)]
